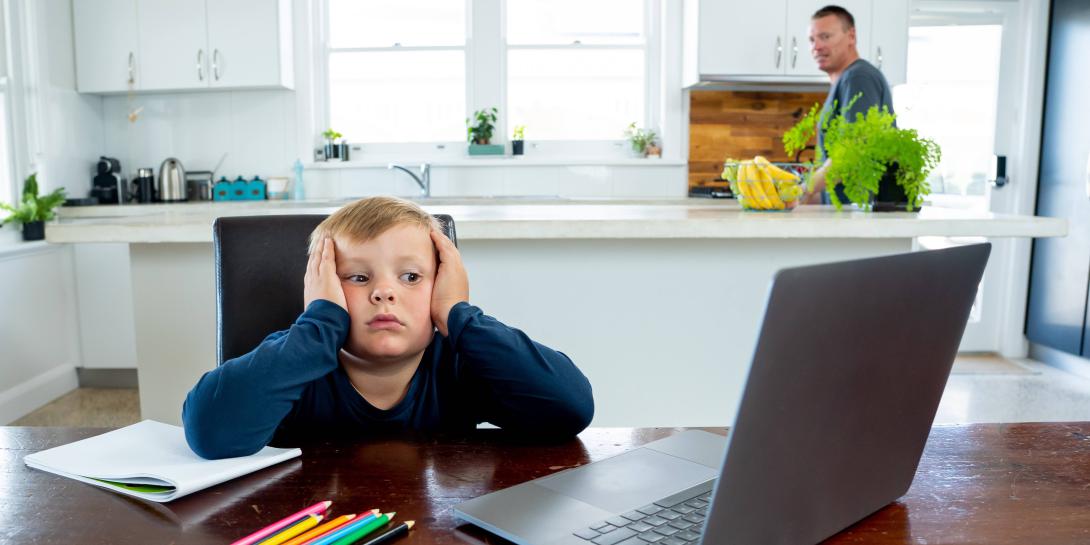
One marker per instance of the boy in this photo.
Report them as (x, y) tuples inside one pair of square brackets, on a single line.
[(365, 357)]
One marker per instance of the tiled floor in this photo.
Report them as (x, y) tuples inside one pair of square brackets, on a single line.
[(980, 389)]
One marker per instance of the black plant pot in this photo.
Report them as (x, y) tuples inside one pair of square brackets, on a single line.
[(891, 196), (516, 147), (343, 146), (332, 151), (34, 230)]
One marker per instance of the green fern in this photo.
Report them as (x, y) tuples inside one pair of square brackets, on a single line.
[(34, 207)]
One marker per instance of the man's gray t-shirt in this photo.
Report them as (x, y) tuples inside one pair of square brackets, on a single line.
[(859, 77)]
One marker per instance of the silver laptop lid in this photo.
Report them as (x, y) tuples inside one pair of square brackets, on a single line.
[(849, 368)]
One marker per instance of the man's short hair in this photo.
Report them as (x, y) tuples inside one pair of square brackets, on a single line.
[(368, 218), (844, 15)]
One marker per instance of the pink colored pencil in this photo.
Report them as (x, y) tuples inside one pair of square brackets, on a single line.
[(315, 509)]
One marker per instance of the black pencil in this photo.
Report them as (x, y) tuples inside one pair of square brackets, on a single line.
[(392, 533)]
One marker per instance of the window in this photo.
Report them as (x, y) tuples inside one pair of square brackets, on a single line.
[(575, 69), (396, 70), (7, 189), (950, 96), (412, 71)]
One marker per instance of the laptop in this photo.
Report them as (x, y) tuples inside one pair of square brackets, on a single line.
[(850, 364)]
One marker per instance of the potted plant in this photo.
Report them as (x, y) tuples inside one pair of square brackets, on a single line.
[(517, 138), (35, 209), (332, 148), (479, 133), (879, 167), (640, 139)]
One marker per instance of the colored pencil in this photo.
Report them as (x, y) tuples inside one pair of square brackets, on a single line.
[(319, 507), (393, 533), (370, 528), (364, 519), (292, 531), (325, 528)]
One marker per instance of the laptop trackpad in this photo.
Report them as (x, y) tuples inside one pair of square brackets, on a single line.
[(630, 480)]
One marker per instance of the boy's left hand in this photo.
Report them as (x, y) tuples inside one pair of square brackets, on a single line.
[(451, 282)]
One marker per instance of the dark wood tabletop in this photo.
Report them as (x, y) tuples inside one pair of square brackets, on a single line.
[(981, 484)]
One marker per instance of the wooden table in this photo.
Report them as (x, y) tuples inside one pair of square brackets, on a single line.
[(985, 483)]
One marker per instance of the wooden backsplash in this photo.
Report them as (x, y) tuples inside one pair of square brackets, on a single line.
[(740, 124)]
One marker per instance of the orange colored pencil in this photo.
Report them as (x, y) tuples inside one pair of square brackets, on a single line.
[(315, 532)]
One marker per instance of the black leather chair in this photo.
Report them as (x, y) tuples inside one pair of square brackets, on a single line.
[(260, 262)]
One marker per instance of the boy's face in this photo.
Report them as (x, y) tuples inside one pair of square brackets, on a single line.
[(387, 284)]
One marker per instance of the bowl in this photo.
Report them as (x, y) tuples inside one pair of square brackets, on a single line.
[(762, 186)]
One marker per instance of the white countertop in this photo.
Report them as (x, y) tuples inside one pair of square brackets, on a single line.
[(550, 218)]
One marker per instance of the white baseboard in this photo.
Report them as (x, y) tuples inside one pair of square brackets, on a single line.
[(27, 396), (1056, 358)]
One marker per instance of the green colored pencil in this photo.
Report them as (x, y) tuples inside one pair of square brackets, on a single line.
[(365, 530)]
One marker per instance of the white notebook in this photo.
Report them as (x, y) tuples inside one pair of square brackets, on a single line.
[(149, 460)]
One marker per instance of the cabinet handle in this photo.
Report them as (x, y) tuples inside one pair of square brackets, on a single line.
[(200, 64), (132, 68), (879, 57), (216, 64), (794, 51), (779, 51)]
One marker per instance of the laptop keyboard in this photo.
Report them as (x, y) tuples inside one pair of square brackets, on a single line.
[(673, 520)]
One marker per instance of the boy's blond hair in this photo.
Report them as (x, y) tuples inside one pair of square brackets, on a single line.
[(368, 218)]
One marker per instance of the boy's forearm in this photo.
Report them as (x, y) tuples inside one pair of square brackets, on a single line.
[(235, 409), (531, 387)]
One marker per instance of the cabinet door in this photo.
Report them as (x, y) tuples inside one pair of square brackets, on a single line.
[(250, 43), (173, 44), (799, 61), (889, 40), (741, 38), (107, 59), (1056, 313)]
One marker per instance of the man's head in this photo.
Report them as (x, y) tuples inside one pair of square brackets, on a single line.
[(832, 39), (386, 263)]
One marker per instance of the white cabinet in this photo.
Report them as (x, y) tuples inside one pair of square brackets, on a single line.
[(106, 45), (769, 41), (250, 43), (889, 44), (172, 44), (177, 45)]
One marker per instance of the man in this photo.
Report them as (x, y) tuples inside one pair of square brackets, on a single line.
[(833, 46)]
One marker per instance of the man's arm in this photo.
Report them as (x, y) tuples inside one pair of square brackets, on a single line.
[(235, 409), (524, 386)]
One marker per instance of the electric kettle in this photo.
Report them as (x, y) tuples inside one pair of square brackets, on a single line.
[(171, 181)]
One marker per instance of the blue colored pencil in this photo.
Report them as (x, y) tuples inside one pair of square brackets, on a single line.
[(346, 529)]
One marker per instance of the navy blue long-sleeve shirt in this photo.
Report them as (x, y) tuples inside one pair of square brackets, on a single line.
[(292, 387)]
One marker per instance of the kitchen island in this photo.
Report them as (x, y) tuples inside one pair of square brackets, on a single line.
[(658, 302)]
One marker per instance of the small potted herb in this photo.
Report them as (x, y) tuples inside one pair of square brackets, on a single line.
[(517, 138), (479, 131), (879, 166), (642, 140), (332, 147), (35, 209)]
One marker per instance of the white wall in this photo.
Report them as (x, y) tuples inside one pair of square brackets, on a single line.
[(68, 139), (39, 348)]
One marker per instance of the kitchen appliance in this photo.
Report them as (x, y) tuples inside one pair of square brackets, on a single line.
[(108, 186), (198, 185), (171, 187), (143, 185)]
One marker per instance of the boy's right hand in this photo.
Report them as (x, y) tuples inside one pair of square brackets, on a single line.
[(321, 280)]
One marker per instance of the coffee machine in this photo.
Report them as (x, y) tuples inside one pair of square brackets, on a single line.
[(108, 186)]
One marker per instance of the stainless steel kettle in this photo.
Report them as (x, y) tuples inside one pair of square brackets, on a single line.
[(171, 181)]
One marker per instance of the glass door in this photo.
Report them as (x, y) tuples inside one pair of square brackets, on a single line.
[(961, 57)]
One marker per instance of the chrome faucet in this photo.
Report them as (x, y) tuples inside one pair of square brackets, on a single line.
[(423, 180)]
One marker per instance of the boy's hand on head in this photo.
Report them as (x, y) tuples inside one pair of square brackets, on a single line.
[(321, 280), (451, 282)]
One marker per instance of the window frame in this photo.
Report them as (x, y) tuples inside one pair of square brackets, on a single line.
[(486, 53)]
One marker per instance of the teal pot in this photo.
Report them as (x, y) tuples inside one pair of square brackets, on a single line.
[(34, 230), (485, 149)]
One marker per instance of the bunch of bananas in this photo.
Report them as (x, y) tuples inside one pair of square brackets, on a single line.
[(760, 185)]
